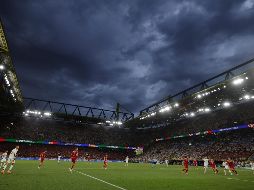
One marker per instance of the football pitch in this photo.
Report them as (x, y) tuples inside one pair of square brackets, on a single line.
[(91, 176)]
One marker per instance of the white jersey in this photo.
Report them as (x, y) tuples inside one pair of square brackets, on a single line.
[(59, 157), (166, 161), (252, 165), (225, 164), (4, 157), (13, 154), (126, 159), (206, 162)]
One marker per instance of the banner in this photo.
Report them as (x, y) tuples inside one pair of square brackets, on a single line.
[(208, 132), (68, 144)]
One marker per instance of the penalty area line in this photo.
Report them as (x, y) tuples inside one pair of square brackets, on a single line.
[(116, 186)]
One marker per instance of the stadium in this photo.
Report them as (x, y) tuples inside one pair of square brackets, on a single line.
[(201, 137)]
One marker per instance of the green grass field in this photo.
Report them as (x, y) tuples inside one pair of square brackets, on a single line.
[(26, 176)]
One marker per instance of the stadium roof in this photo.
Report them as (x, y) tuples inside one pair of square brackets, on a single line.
[(8, 70), (222, 77)]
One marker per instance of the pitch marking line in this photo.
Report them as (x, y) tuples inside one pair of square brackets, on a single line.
[(116, 186), (245, 180)]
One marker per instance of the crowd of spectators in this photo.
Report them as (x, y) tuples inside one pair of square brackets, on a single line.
[(238, 145)]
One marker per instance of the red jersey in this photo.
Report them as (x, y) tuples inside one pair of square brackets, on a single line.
[(230, 164), (74, 154), (185, 163), (105, 158), (195, 162), (43, 155), (212, 164)]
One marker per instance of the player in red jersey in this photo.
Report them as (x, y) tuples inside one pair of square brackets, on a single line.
[(195, 163), (186, 165), (74, 157), (231, 166), (105, 162), (213, 166), (42, 158)]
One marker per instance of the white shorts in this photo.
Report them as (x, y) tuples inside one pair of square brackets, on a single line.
[(205, 166), (11, 160), (226, 168)]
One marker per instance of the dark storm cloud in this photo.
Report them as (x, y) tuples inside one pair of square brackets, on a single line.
[(133, 52)]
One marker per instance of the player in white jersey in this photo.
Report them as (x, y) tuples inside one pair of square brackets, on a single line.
[(11, 160), (226, 167), (3, 158), (206, 163), (126, 161), (252, 166), (166, 162), (58, 158)]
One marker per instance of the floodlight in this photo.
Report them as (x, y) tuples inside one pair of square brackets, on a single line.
[(226, 104), (1, 67), (238, 81), (247, 97), (176, 105), (207, 109)]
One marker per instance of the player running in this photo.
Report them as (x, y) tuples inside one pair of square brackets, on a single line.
[(195, 163), (226, 167), (166, 162), (252, 166), (4, 158), (231, 166), (11, 160), (74, 157), (213, 166), (105, 162), (126, 161), (59, 158), (42, 158), (206, 161), (185, 165)]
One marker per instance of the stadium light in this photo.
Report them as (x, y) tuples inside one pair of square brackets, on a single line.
[(176, 105), (199, 96), (47, 113), (1, 67), (207, 109), (167, 108), (226, 104), (107, 121), (246, 97), (192, 114), (238, 81)]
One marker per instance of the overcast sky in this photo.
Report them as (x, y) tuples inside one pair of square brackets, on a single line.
[(97, 53)]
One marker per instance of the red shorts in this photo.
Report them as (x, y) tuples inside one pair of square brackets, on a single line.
[(105, 163), (42, 160), (73, 160), (186, 167)]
